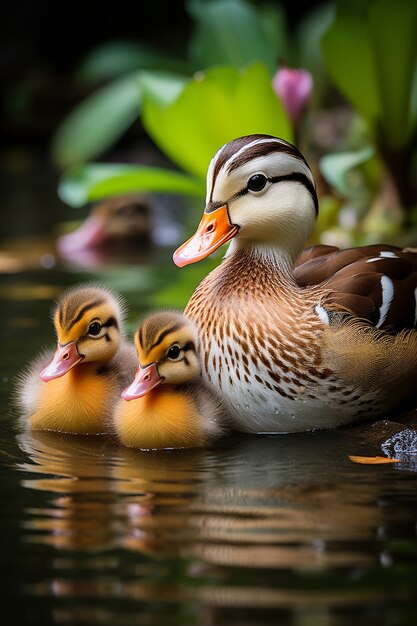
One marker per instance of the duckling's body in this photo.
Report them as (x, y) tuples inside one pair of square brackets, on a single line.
[(167, 406), (294, 348), (75, 389)]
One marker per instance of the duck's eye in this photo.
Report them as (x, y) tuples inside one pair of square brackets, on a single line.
[(94, 329), (174, 352), (257, 182)]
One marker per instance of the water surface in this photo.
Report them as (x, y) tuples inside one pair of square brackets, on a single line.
[(259, 530)]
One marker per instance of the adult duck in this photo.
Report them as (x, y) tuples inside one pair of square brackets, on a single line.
[(291, 348), (167, 405), (75, 389)]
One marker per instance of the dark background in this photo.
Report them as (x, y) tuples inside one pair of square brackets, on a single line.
[(42, 44)]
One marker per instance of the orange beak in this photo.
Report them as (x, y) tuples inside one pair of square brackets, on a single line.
[(213, 231)]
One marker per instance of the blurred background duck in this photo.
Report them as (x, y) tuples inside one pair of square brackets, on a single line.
[(122, 228), (293, 348), (75, 389), (167, 405), (113, 225)]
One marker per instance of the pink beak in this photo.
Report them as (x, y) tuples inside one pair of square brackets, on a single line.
[(89, 235), (65, 358), (146, 379)]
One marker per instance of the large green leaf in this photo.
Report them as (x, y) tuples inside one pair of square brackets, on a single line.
[(97, 122), (88, 183), (212, 109), (371, 54), (349, 58), (163, 89), (393, 31), (229, 32)]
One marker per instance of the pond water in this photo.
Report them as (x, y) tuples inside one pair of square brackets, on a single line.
[(259, 530)]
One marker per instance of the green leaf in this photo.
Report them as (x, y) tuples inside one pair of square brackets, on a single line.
[(371, 54), (393, 28), (308, 37), (97, 122), (349, 58), (214, 108), (229, 32), (162, 89), (88, 183), (274, 24), (94, 125), (119, 57), (336, 167)]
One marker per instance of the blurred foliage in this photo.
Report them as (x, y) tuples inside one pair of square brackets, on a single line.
[(212, 108), (225, 32), (370, 51), (92, 182), (363, 57)]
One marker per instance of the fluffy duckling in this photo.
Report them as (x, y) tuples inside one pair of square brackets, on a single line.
[(75, 389), (167, 405)]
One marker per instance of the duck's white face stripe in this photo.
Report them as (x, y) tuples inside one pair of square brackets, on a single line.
[(387, 287), (385, 254)]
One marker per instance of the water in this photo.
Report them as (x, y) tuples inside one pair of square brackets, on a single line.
[(259, 530)]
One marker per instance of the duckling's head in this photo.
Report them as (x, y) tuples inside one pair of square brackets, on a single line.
[(261, 191), (166, 344), (87, 321)]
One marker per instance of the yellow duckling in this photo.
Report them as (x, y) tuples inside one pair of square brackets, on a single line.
[(75, 389), (167, 405)]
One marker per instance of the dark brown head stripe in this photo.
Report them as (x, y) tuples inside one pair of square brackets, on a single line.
[(163, 334), (69, 323), (156, 327), (261, 148), (303, 180)]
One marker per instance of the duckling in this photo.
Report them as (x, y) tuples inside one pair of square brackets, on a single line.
[(167, 405), (75, 389)]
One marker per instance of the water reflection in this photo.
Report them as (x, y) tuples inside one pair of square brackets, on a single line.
[(259, 523)]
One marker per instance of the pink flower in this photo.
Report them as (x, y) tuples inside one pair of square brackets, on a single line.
[(294, 88)]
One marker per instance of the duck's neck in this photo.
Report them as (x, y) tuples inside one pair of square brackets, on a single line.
[(280, 259)]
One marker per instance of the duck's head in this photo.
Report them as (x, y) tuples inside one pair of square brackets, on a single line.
[(117, 219), (166, 345), (87, 322), (260, 191)]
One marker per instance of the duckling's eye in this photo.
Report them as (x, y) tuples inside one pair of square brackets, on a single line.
[(257, 182), (174, 352), (94, 329)]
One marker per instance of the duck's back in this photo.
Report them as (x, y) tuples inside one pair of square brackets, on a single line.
[(377, 283)]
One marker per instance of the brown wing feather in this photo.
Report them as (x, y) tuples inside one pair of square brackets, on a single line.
[(357, 278)]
